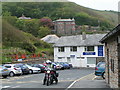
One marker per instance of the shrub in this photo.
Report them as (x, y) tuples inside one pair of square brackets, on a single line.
[(29, 47)]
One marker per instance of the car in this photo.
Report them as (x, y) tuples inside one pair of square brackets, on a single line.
[(4, 72), (58, 66), (41, 66), (33, 69), (69, 65), (65, 65), (100, 69), (14, 69), (24, 68)]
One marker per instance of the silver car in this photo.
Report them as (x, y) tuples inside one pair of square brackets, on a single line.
[(14, 69), (4, 72)]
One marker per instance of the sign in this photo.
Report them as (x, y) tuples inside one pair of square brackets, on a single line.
[(100, 50), (72, 56), (88, 53)]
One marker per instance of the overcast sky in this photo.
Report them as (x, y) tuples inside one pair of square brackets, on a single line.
[(99, 4)]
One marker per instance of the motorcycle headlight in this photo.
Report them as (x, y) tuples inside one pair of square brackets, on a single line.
[(48, 71)]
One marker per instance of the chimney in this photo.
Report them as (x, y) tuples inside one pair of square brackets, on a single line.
[(83, 35)]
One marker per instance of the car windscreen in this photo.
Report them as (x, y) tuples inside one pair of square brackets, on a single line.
[(101, 65)]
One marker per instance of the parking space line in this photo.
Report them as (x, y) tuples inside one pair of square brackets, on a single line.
[(94, 77), (77, 80)]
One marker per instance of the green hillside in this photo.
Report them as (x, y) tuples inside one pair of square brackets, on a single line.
[(56, 10), (12, 37)]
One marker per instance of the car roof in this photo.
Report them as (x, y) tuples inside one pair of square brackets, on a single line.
[(9, 64)]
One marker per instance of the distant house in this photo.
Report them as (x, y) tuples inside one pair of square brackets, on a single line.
[(80, 50), (112, 58), (50, 39), (64, 26), (23, 17)]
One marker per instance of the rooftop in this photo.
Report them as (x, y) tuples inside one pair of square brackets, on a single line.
[(66, 19), (91, 40), (50, 38), (113, 32)]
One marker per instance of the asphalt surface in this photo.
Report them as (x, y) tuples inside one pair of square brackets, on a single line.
[(71, 78)]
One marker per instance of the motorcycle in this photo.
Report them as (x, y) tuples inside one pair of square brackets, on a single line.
[(50, 77)]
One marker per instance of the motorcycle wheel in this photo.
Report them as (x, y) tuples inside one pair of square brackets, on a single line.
[(48, 82), (56, 81)]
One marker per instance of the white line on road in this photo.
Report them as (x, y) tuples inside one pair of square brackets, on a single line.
[(76, 81), (15, 87), (5, 86), (72, 84), (94, 78)]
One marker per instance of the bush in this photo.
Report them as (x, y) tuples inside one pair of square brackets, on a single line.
[(29, 47)]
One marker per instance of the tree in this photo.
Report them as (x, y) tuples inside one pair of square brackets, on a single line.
[(43, 31), (46, 22)]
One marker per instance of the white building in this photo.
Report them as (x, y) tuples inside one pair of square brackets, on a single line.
[(80, 50)]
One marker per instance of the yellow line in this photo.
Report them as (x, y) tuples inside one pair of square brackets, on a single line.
[(77, 80), (83, 77), (94, 77)]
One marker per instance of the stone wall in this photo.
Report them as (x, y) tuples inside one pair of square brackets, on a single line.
[(99, 59), (111, 52)]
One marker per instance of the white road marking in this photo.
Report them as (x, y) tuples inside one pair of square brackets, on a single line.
[(71, 84), (94, 77), (5, 86), (77, 80), (15, 87)]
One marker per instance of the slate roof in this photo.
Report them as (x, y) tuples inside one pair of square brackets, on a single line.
[(91, 40), (115, 31), (50, 39), (65, 20)]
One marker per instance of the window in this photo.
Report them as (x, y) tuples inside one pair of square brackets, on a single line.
[(61, 49), (112, 65), (101, 65), (73, 49), (8, 66), (61, 57), (89, 48)]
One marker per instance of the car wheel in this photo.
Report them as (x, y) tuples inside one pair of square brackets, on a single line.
[(30, 71), (11, 74), (5, 76), (103, 75)]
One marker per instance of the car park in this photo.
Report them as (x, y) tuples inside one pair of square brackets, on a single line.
[(100, 69), (4, 72), (14, 69), (33, 69), (24, 68)]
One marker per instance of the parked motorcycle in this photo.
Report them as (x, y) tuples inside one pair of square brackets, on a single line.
[(50, 77)]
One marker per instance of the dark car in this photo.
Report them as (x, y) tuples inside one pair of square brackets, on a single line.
[(65, 65), (24, 68), (69, 64), (100, 69), (41, 66)]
